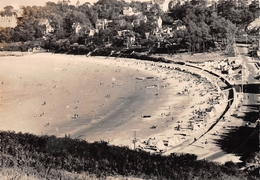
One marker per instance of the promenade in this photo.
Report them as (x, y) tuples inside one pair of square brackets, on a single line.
[(237, 106)]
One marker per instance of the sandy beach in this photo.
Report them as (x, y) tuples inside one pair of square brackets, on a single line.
[(94, 98)]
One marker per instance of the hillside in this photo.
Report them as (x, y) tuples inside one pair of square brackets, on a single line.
[(48, 157)]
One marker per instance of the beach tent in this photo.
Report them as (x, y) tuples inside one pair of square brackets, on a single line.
[(217, 107), (222, 65), (212, 114), (155, 143), (230, 71), (138, 144), (221, 96), (213, 110), (240, 114), (174, 141), (216, 65), (235, 60), (160, 146), (197, 126), (209, 64), (151, 142)]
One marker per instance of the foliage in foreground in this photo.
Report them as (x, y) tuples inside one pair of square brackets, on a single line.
[(48, 156)]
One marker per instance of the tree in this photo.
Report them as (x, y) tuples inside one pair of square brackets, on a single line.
[(89, 13), (223, 29), (178, 12), (137, 5), (8, 11), (225, 7), (205, 36), (198, 2), (107, 35), (109, 9), (143, 28), (255, 9), (238, 14), (246, 17), (6, 35), (192, 37)]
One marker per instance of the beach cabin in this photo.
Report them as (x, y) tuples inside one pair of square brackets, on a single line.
[(156, 144), (230, 71)]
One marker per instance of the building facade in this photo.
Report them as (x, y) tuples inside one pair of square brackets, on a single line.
[(8, 21)]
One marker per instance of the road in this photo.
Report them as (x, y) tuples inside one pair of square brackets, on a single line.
[(249, 112), (251, 86), (250, 68)]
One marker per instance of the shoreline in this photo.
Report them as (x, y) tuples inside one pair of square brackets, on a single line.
[(164, 124), (55, 84)]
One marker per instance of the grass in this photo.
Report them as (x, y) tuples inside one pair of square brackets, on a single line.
[(48, 157)]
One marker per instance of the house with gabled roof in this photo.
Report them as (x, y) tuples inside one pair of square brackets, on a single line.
[(102, 23)]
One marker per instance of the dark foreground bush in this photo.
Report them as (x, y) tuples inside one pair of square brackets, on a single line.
[(49, 154)]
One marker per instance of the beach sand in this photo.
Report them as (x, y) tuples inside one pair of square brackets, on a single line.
[(95, 98)]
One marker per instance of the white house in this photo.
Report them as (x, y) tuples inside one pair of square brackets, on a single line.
[(77, 27), (102, 23), (128, 11), (48, 28), (8, 21)]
